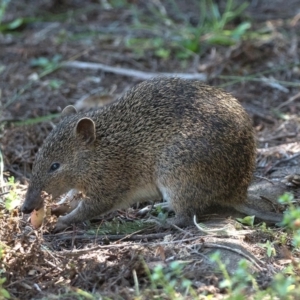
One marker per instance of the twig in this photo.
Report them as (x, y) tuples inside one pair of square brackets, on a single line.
[(117, 237), (270, 201), (33, 278), (129, 236), (130, 72), (291, 147), (10, 119), (290, 100), (40, 75), (264, 178), (53, 265), (181, 230), (255, 260), (37, 287), (273, 83), (277, 137), (136, 283), (100, 247), (223, 232), (259, 112), (283, 161), (19, 174)]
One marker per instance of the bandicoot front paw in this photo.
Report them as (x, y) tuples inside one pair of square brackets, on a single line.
[(60, 225)]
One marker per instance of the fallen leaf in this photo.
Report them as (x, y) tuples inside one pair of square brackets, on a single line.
[(37, 217)]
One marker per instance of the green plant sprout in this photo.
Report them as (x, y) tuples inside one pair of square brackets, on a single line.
[(12, 25), (171, 280), (117, 226), (3, 7), (4, 294), (248, 220), (291, 218), (11, 199), (213, 28), (271, 251), (242, 282), (285, 284), (48, 65)]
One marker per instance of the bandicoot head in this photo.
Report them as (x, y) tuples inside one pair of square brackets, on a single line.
[(63, 151)]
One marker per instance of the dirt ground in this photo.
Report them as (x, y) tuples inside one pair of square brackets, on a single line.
[(85, 262)]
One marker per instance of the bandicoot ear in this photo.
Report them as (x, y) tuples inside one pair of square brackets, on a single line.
[(68, 111), (85, 130)]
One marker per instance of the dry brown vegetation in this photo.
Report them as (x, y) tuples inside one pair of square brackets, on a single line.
[(114, 256)]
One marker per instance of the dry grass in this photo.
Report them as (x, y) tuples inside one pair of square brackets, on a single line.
[(84, 263)]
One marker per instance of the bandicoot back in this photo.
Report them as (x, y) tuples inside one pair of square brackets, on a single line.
[(183, 141)]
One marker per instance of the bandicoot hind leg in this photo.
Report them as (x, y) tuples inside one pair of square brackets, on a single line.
[(184, 201)]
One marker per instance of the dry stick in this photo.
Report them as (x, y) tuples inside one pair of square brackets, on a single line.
[(32, 279), (278, 148), (136, 283), (130, 72), (224, 230), (42, 74), (270, 201), (264, 178), (279, 136), (283, 161), (50, 253), (131, 235), (53, 265), (127, 267), (290, 100), (37, 287), (100, 247), (213, 245), (181, 230), (225, 247), (117, 237), (207, 245)]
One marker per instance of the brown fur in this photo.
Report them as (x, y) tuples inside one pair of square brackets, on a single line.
[(183, 141)]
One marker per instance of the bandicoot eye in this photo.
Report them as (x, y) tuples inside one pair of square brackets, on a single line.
[(54, 167)]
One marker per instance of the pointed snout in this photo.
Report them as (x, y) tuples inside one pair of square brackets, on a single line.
[(26, 209), (33, 201)]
